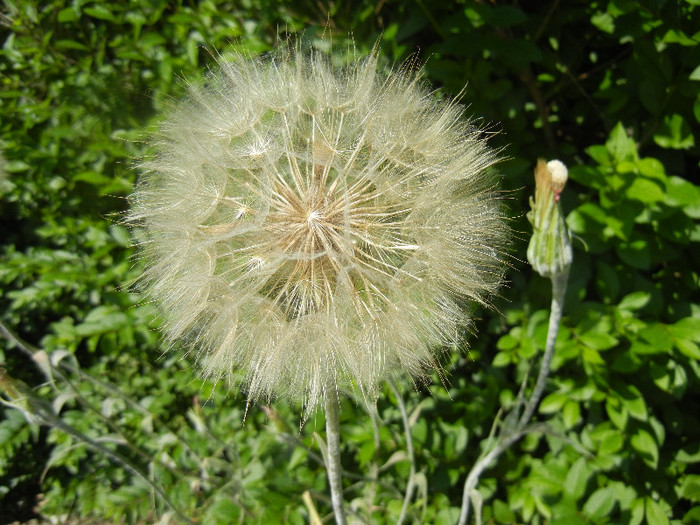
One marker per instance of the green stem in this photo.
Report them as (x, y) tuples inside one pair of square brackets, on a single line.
[(411, 485), (555, 314), (506, 441), (333, 465)]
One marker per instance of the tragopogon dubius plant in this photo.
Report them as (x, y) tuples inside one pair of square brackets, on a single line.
[(309, 230)]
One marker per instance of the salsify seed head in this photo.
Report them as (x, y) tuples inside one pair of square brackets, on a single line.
[(308, 228)]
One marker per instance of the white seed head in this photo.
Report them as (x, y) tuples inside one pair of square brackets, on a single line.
[(308, 228)]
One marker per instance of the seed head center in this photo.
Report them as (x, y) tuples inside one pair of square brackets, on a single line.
[(313, 217)]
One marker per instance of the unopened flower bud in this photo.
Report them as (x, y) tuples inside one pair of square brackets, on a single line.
[(549, 251)]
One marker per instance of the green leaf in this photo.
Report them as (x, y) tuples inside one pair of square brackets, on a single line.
[(646, 191), (502, 359), (635, 253), (600, 154), (100, 12), (604, 21), (590, 176), (571, 414), (507, 342), (688, 348), (686, 328), (100, 320), (617, 412), (611, 443), (223, 511), (67, 14), (634, 402), (652, 168), (447, 516), (627, 362), (598, 340), (695, 75), (692, 516), (634, 301), (654, 513), (641, 348), (675, 133), (502, 512), (576, 479), (70, 44), (553, 403), (601, 503), (620, 146), (661, 376), (644, 443), (690, 487), (658, 336), (683, 194), (637, 511)]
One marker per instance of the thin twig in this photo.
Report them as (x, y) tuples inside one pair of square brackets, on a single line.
[(314, 518), (411, 484)]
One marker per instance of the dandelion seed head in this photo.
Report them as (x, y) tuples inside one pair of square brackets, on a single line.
[(310, 228)]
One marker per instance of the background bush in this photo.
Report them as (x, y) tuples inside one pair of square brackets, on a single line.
[(610, 87)]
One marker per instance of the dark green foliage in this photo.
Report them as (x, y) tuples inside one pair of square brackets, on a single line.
[(612, 88)]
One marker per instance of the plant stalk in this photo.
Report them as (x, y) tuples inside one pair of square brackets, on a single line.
[(504, 442), (411, 485), (333, 465)]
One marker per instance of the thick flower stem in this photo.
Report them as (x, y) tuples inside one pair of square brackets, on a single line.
[(333, 466), (558, 292)]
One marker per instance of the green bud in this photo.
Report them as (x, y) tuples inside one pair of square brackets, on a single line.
[(549, 251)]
